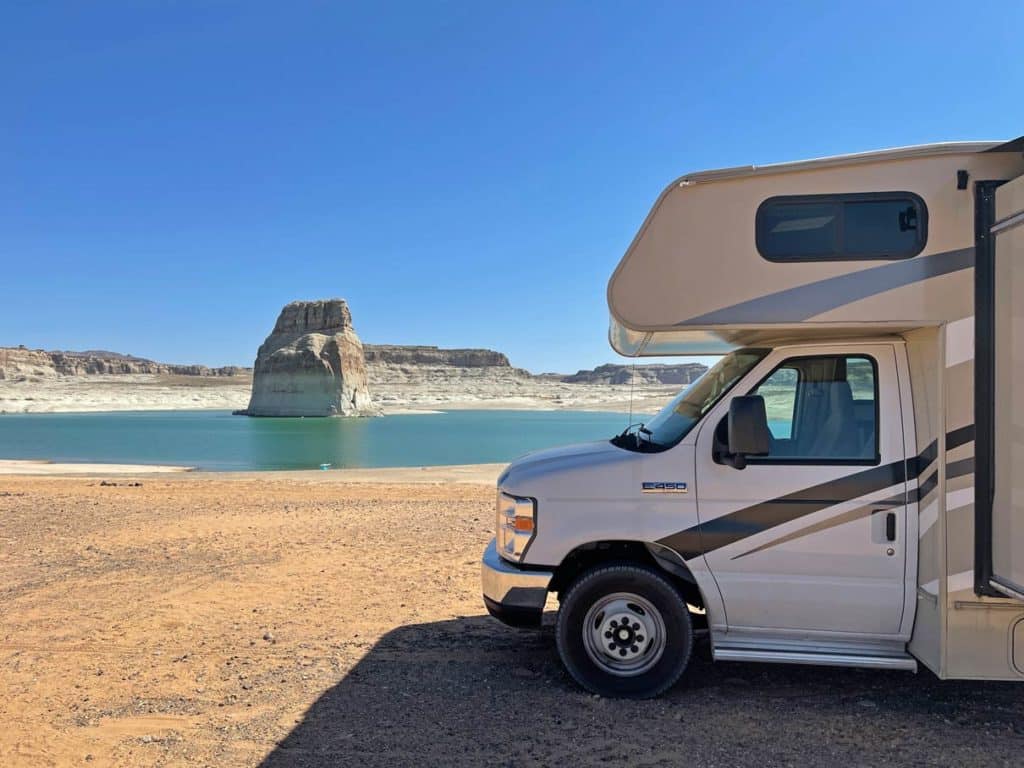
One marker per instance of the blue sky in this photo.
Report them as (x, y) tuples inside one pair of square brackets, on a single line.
[(465, 174)]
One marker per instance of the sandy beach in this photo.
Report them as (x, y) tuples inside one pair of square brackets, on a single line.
[(50, 468), (334, 619)]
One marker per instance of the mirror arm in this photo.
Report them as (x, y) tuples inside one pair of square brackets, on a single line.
[(734, 460)]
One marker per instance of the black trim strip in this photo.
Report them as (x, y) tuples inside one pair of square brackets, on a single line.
[(926, 487), (959, 468), (923, 460), (984, 382), (959, 437)]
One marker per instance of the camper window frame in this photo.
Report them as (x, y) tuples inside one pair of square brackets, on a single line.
[(810, 461), (840, 199)]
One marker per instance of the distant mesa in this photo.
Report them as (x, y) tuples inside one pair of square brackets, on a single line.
[(644, 375), (311, 364), (36, 364), (396, 354)]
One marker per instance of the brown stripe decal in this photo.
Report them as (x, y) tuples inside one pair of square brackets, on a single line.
[(735, 526), (832, 522), (728, 529)]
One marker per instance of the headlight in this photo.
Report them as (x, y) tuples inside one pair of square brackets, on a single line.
[(516, 525)]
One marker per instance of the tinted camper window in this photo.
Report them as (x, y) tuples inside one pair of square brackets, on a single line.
[(878, 225)]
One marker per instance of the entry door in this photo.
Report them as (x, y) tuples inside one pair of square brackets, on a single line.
[(812, 537), (1007, 511)]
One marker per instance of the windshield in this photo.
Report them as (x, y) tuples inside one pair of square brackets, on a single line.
[(676, 419)]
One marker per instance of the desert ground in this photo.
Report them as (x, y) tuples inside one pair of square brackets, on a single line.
[(334, 619)]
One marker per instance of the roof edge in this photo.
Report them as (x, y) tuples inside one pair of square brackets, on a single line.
[(872, 156)]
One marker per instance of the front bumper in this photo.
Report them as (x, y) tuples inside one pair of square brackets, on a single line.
[(513, 595)]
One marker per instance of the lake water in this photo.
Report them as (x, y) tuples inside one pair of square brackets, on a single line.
[(216, 440)]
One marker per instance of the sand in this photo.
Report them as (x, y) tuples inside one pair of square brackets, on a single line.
[(334, 619), (30, 467)]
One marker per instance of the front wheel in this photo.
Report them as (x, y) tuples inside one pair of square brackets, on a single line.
[(624, 631)]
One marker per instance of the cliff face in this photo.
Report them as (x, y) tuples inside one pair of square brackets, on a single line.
[(648, 374), (311, 364), (394, 354), (19, 362), (430, 367)]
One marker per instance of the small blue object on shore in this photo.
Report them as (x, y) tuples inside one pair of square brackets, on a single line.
[(325, 466)]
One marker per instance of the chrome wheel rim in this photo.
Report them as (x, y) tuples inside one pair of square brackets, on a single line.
[(624, 634)]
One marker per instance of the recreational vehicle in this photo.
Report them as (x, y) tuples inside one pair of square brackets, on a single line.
[(845, 486)]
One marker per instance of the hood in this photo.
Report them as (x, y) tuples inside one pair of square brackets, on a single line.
[(525, 472)]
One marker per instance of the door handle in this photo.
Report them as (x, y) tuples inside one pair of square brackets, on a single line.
[(890, 526)]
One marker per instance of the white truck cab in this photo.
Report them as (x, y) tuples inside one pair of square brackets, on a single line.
[(845, 485)]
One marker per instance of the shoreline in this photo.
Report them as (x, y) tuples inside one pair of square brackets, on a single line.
[(108, 393), (646, 405), (485, 473), (592, 408), (44, 467)]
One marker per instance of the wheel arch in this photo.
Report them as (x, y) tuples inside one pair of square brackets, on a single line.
[(589, 555)]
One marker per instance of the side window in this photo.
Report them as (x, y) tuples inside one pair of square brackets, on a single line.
[(779, 393), (844, 227), (822, 409)]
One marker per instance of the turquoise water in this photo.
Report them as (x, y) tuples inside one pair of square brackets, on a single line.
[(216, 440)]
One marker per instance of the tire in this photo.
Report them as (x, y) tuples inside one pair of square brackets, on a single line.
[(624, 631)]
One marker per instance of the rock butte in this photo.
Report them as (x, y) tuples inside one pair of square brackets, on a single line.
[(311, 364)]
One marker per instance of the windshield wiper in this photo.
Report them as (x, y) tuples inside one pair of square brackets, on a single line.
[(625, 433), (641, 429)]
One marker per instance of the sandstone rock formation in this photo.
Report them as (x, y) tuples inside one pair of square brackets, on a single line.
[(18, 362), (396, 355), (402, 378), (390, 365), (645, 374), (311, 364)]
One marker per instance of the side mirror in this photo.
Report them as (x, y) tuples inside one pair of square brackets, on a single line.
[(747, 429)]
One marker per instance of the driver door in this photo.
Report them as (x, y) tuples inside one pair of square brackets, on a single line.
[(812, 536)]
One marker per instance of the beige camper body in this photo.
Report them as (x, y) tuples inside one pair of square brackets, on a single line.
[(845, 486), (693, 282)]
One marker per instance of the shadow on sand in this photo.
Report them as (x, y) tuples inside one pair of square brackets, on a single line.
[(473, 692)]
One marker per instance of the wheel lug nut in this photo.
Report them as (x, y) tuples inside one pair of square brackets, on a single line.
[(608, 635), (634, 649), (636, 627), (611, 646), (622, 651), (639, 638)]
